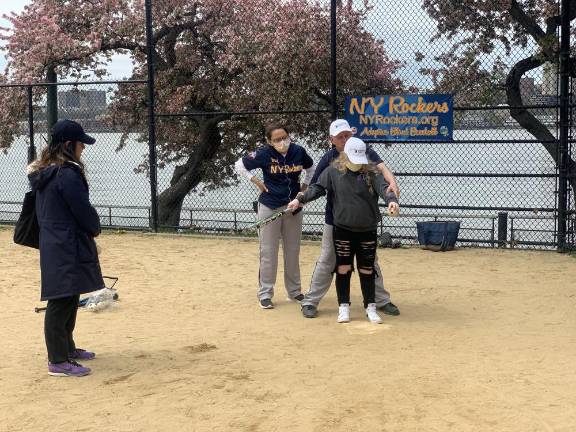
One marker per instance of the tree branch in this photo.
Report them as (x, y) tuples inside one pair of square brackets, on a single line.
[(525, 118), (526, 21), (322, 96), (186, 176), (131, 46), (170, 48), (157, 58)]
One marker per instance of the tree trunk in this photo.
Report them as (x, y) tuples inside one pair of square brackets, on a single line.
[(527, 120), (190, 174)]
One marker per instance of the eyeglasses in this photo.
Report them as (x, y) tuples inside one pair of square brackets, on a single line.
[(279, 140)]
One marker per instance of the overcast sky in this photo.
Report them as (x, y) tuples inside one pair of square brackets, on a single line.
[(120, 67), (7, 6)]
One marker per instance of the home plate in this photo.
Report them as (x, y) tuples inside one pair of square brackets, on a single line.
[(356, 328)]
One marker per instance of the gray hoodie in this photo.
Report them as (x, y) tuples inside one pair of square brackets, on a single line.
[(355, 205)]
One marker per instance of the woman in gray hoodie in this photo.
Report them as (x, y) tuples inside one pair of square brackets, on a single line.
[(355, 186)]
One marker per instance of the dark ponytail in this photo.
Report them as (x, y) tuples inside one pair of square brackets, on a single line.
[(57, 153)]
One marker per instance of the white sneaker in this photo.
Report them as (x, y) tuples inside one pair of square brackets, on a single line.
[(344, 313), (372, 315)]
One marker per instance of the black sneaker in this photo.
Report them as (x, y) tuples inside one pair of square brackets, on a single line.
[(266, 304), (309, 311), (390, 309), (298, 298)]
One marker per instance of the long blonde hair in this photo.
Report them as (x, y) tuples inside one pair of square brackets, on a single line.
[(368, 170), (56, 154)]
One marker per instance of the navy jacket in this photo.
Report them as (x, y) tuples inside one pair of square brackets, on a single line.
[(68, 224), (281, 173)]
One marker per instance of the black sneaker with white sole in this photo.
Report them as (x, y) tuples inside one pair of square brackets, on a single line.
[(266, 304), (390, 309)]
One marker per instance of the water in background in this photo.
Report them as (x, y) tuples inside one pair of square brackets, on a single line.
[(113, 182)]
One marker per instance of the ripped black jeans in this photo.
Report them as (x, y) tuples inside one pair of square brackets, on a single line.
[(362, 245)]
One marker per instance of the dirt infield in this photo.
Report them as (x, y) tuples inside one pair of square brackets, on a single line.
[(486, 342)]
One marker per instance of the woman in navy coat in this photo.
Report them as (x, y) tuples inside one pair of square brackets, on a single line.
[(68, 257)]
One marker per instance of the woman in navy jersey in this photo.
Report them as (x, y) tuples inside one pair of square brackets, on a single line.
[(281, 163)]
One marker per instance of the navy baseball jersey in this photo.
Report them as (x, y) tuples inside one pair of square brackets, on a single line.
[(281, 173)]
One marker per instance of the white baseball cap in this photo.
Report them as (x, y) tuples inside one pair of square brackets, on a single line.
[(338, 126), (355, 149)]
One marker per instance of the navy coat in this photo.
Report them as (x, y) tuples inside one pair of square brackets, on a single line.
[(68, 224)]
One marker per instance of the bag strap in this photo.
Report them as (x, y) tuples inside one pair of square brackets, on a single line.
[(444, 245)]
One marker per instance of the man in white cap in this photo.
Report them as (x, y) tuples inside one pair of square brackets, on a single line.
[(340, 132)]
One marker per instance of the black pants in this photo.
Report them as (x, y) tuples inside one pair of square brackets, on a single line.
[(362, 245), (59, 324)]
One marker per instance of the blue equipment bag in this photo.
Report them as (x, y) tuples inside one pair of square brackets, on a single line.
[(438, 235)]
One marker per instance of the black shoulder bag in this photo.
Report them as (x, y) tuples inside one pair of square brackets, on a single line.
[(27, 231)]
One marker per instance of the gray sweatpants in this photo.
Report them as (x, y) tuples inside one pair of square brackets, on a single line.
[(289, 228), (325, 265)]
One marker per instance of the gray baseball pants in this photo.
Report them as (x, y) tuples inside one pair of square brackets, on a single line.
[(323, 271), (289, 228)]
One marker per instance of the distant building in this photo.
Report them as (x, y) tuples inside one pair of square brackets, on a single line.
[(549, 79), (528, 88), (82, 100)]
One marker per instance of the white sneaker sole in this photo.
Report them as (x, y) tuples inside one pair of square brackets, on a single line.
[(62, 374), (267, 307), (375, 321)]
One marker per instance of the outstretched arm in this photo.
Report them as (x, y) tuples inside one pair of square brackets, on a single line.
[(389, 177), (307, 177), (390, 198), (315, 191)]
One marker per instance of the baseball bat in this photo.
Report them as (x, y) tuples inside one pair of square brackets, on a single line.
[(83, 301), (267, 220)]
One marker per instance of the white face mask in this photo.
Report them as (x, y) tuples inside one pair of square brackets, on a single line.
[(282, 146), (353, 167)]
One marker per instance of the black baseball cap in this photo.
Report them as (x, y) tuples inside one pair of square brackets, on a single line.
[(69, 130)]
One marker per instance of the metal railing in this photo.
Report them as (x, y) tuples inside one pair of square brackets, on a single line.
[(235, 221)]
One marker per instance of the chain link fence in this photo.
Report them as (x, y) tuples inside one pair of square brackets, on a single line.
[(494, 170), (494, 177)]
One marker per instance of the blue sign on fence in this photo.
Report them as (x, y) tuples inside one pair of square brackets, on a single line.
[(417, 117)]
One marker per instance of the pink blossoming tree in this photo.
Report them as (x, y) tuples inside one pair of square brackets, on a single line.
[(482, 29), (210, 56)]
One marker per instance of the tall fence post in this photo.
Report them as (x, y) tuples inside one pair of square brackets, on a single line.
[(31, 146), (502, 229), (151, 118), (51, 99), (564, 123), (333, 51)]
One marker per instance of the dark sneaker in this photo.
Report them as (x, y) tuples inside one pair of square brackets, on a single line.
[(297, 299), (390, 309), (80, 354), (69, 368), (266, 304), (309, 311)]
